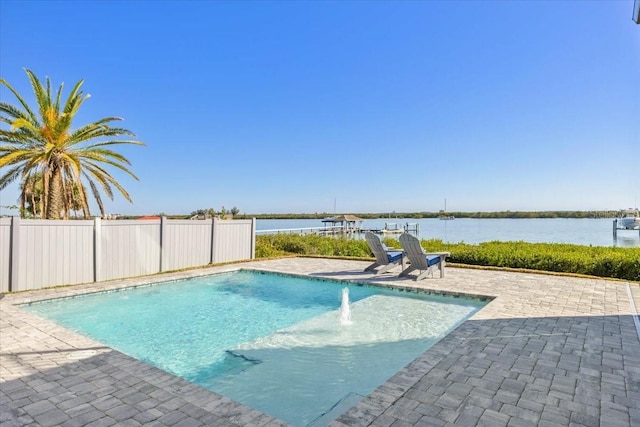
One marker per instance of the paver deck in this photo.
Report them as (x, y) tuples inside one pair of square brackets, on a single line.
[(546, 351)]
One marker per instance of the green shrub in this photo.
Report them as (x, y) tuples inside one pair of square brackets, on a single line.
[(265, 248), (614, 262)]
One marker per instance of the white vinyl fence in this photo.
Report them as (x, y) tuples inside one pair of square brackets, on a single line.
[(35, 254)]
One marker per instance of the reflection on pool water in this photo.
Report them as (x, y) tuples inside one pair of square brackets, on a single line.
[(273, 342)]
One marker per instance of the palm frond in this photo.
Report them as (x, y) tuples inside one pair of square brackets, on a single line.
[(118, 142), (96, 195), (74, 100), (13, 157), (72, 166), (85, 203), (116, 165), (94, 131), (24, 124), (100, 175), (58, 97), (20, 99), (102, 155), (39, 92), (13, 113), (121, 189), (22, 137), (10, 176), (106, 120)]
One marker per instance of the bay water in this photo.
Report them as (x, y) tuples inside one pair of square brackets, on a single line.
[(585, 231)]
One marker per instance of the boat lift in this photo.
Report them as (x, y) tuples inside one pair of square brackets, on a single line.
[(412, 227), (616, 228)]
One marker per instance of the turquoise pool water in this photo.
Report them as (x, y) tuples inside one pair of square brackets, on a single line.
[(272, 342)]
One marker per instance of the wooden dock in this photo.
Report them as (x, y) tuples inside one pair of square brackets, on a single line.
[(409, 227)]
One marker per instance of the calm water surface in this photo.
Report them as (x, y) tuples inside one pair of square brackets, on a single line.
[(273, 342), (588, 231)]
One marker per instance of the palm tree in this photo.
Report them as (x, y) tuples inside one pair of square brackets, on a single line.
[(31, 202), (46, 144), (31, 197)]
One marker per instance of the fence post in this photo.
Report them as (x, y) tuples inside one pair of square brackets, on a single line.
[(253, 238), (14, 250), (213, 233), (97, 249), (163, 220)]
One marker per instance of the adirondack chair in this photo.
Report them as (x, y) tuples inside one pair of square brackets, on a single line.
[(385, 257), (419, 259)]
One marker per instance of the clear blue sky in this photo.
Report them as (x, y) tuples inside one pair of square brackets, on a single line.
[(377, 106)]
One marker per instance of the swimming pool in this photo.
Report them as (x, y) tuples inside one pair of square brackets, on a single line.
[(272, 342)]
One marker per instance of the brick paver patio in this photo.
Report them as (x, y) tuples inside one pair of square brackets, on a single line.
[(546, 351)]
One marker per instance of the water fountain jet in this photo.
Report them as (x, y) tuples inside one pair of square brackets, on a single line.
[(345, 311)]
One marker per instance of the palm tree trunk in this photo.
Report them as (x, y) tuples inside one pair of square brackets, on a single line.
[(55, 199), (66, 200), (45, 195)]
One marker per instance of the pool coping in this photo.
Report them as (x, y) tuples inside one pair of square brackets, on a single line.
[(408, 397), (401, 288)]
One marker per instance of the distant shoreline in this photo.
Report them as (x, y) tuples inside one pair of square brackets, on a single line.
[(419, 215)]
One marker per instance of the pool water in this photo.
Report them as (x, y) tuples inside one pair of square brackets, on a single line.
[(273, 342)]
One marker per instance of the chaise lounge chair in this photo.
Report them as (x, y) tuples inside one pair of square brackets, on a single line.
[(419, 259), (385, 257)]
